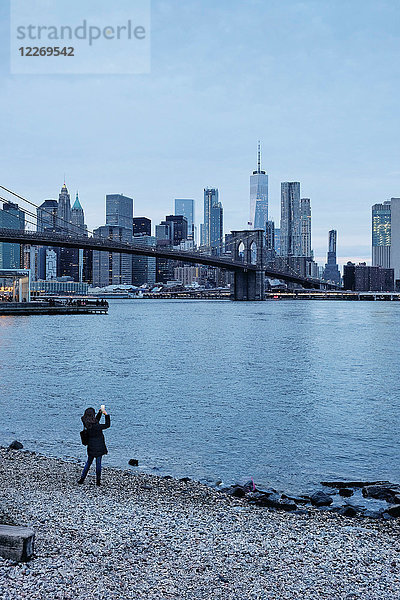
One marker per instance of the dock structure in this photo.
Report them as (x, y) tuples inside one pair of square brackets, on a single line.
[(52, 308)]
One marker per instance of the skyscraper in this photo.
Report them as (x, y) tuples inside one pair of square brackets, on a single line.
[(11, 217), (78, 218), (64, 210), (381, 234), (144, 267), (141, 226), (395, 239), (258, 196), (290, 235), (111, 268), (185, 207), (119, 210), (331, 271), (305, 210), (213, 222), (178, 228), (47, 214)]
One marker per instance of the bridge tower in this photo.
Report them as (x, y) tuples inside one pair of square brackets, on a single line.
[(248, 248)]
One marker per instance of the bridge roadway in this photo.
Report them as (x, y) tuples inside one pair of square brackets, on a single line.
[(106, 245)]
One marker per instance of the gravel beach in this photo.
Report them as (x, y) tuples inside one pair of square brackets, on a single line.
[(143, 536)]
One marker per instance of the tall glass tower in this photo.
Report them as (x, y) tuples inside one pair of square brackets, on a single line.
[(305, 208), (119, 210), (213, 221), (381, 234), (258, 196), (11, 217), (185, 207), (290, 219)]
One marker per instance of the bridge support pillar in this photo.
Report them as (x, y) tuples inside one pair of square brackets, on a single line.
[(248, 285), (248, 248)]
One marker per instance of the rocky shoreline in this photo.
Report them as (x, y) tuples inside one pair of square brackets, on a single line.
[(143, 536)]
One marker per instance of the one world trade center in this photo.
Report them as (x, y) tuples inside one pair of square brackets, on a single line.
[(258, 196)]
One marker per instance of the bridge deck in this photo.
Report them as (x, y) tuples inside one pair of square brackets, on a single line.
[(106, 245)]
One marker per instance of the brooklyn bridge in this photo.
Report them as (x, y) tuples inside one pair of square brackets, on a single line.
[(247, 261)]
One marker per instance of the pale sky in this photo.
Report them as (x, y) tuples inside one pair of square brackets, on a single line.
[(316, 81)]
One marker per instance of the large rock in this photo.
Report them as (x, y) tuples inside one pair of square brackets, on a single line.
[(16, 543), (346, 492), (394, 511), (320, 499), (353, 484), (347, 511), (274, 501), (379, 492), (373, 514), (298, 499), (236, 491), (15, 445)]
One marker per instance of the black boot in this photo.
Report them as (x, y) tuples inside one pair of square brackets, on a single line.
[(81, 481), (98, 481)]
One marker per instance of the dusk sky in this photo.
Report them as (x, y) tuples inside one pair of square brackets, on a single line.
[(316, 81)]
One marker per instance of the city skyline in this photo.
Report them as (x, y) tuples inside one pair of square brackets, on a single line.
[(64, 196), (303, 87)]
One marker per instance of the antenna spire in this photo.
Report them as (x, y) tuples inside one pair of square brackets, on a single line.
[(259, 157)]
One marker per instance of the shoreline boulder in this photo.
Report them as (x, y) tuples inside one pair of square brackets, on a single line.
[(15, 445), (320, 499)]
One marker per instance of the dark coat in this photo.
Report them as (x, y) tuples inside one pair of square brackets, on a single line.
[(96, 443)]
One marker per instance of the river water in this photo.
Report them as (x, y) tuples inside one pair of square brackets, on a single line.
[(286, 392)]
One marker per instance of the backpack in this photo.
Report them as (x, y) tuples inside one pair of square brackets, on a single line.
[(84, 437)]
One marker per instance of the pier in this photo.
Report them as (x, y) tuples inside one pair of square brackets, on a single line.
[(53, 307)]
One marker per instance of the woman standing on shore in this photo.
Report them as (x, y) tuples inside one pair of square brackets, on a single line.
[(96, 445)]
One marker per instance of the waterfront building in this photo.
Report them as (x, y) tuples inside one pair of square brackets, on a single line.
[(395, 239), (258, 195), (305, 211), (60, 286), (30, 260), (51, 263), (213, 222), (381, 234), (331, 271), (164, 267), (119, 210), (290, 234), (111, 268), (363, 278), (185, 208), (141, 226), (64, 210), (11, 217), (187, 275), (178, 228), (144, 267)]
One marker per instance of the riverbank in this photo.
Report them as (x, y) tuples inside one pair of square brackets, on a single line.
[(143, 536)]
